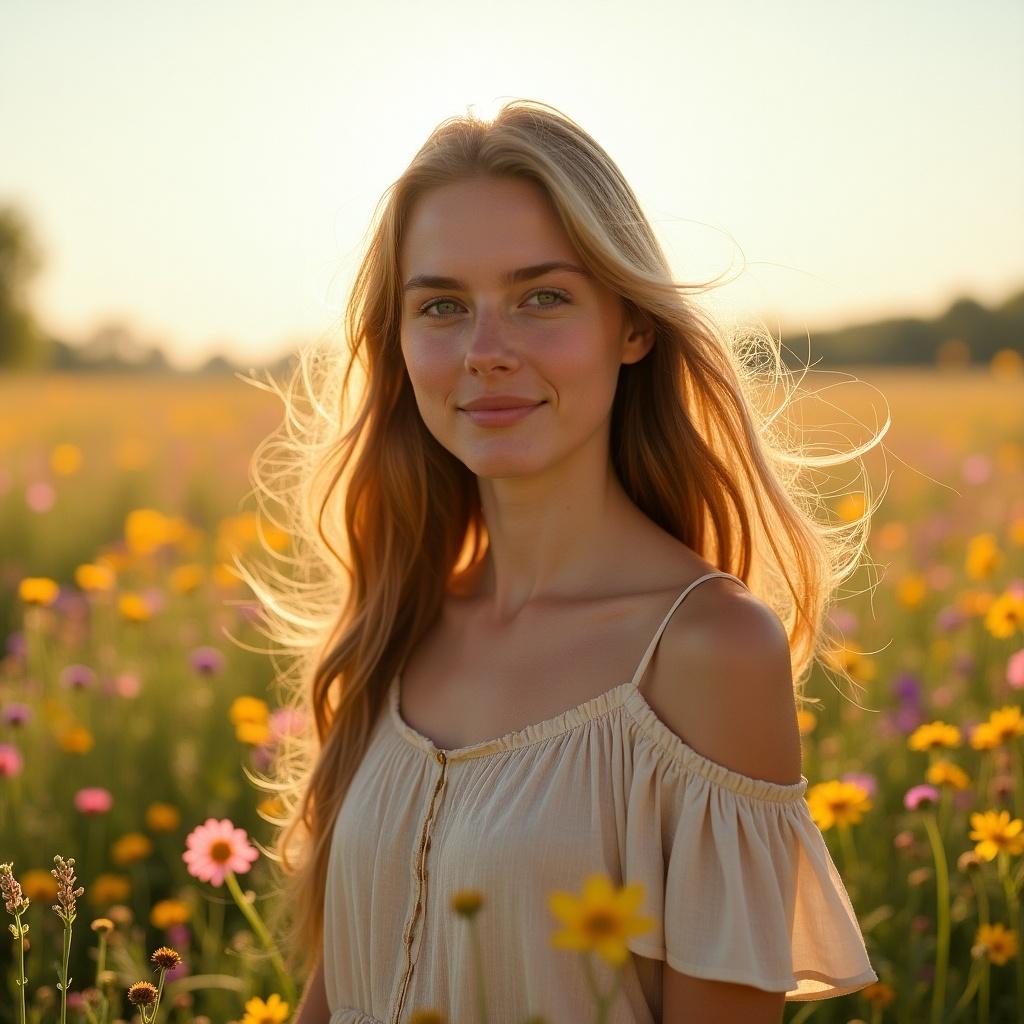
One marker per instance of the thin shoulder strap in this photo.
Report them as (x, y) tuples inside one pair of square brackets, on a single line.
[(649, 653)]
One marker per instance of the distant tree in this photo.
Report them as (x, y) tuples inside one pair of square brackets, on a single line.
[(23, 345)]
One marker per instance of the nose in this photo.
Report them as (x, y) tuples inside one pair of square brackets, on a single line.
[(488, 345)]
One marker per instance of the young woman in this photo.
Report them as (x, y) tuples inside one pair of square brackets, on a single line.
[(565, 582)]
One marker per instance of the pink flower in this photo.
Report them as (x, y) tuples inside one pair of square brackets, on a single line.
[(1015, 670), (215, 848), (920, 796), (93, 800), (10, 760)]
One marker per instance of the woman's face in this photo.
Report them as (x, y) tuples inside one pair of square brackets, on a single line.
[(553, 339)]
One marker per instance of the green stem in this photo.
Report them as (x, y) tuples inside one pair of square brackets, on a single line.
[(942, 899), (983, 918), (287, 986), (64, 982), (973, 980), (851, 863), (22, 979), (478, 967), (1013, 905)]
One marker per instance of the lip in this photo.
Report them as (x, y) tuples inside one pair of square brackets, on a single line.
[(500, 417)]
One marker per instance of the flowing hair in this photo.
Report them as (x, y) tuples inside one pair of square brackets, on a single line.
[(381, 516)]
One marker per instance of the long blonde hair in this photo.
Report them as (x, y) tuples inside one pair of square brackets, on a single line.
[(381, 516)]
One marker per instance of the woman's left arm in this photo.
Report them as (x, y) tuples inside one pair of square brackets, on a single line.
[(736, 706)]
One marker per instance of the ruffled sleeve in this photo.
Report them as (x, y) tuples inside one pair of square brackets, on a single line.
[(736, 875)]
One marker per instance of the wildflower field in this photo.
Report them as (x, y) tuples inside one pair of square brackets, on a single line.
[(134, 700)]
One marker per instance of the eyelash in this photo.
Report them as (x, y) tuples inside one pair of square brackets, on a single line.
[(562, 296)]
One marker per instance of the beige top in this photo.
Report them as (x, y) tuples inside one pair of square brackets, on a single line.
[(736, 873)]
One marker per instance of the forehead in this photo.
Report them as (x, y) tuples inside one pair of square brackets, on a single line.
[(482, 223)]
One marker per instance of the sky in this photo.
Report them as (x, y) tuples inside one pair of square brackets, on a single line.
[(205, 172)]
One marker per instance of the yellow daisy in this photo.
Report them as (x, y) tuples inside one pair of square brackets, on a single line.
[(994, 831), (1006, 723), (932, 735), (1000, 943), (947, 773), (273, 1011), (1005, 616), (601, 918), (837, 803)]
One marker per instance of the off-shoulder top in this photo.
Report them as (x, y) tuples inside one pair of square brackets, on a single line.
[(736, 874)]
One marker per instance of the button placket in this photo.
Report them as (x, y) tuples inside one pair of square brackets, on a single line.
[(420, 868)]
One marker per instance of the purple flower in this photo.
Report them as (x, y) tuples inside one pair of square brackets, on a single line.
[(207, 661), (77, 677), (844, 621), (10, 760), (918, 796), (950, 619), (964, 663), (178, 936), (907, 688), (906, 718), (865, 780), (16, 714), (16, 645)]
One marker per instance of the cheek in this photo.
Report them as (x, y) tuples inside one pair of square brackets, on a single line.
[(431, 367)]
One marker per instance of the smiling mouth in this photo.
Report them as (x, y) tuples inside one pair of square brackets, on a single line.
[(500, 417)]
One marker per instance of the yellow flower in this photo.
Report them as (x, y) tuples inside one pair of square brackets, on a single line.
[(467, 902), (76, 740), (878, 994), (852, 660), (166, 914), (186, 578), (272, 807), (947, 773), (95, 576), (38, 590), (146, 530), (1007, 363), (983, 557), (66, 459), (427, 1017), (1006, 723), (994, 831), (984, 737), (934, 734), (273, 1011), (851, 507), (39, 885), (911, 590), (601, 919), (837, 803), (252, 733), (108, 888), (132, 846), (225, 576), (1000, 944), (133, 607), (1005, 616), (806, 721), (162, 817), (248, 709), (1016, 532)]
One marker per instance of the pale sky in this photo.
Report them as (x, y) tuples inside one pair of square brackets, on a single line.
[(206, 170)]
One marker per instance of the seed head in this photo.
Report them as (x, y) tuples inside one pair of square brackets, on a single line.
[(142, 993), (10, 888), (165, 957), (103, 925), (67, 894)]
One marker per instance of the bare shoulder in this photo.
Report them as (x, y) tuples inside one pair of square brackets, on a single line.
[(722, 680)]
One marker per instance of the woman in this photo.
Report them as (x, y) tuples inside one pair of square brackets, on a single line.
[(540, 669)]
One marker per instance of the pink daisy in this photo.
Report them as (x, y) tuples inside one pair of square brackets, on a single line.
[(93, 800), (215, 848)]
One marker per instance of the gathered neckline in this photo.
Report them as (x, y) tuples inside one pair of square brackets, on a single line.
[(626, 696)]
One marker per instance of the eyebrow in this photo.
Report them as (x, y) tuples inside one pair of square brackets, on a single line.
[(512, 277)]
